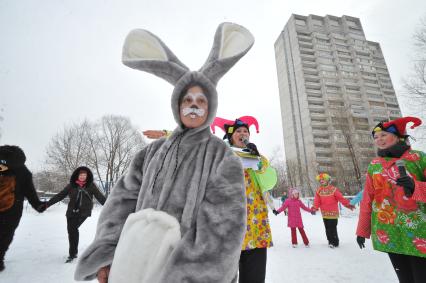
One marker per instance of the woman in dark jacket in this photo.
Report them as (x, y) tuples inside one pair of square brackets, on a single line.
[(80, 191), (16, 183)]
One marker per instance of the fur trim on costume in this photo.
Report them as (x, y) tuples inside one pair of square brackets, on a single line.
[(160, 233)]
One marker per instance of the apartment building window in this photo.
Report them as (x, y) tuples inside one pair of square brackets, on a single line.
[(360, 120), (391, 105), (352, 88), (322, 46), (339, 121), (369, 81), (322, 145), (343, 53), (323, 41), (391, 99), (372, 88), (355, 35), (353, 81), (336, 103), (317, 111), (317, 22), (314, 95), (341, 145), (346, 67), (326, 67), (316, 119), (368, 74), (358, 42), (355, 96), (376, 104), (362, 127), (316, 103), (323, 154), (349, 74), (324, 60), (323, 53), (300, 22), (344, 47), (332, 88), (328, 74), (364, 60), (346, 60), (337, 35)]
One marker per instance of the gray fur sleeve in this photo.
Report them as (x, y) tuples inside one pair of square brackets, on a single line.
[(111, 220), (210, 250)]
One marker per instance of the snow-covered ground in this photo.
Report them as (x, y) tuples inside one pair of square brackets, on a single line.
[(40, 247)]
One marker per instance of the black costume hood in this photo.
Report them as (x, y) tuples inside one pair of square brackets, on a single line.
[(74, 175), (12, 156)]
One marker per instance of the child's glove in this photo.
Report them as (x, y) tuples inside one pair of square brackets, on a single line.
[(42, 207), (361, 242), (407, 183), (313, 212), (275, 212)]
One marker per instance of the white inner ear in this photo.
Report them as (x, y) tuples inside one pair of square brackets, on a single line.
[(141, 45), (235, 39)]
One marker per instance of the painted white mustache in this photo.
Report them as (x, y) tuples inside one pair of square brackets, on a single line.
[(188, 111)]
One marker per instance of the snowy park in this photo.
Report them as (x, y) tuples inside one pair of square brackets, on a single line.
[(40, 248)]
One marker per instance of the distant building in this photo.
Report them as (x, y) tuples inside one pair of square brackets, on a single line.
[(334, 87)]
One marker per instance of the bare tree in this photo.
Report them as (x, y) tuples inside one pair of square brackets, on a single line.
[(49, 180), (113, 143), (106, 146), (415, 83), (277, 162), (69, 148), (348, 173)]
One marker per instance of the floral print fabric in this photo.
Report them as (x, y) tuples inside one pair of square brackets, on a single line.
[(398, 223), (258, 233)]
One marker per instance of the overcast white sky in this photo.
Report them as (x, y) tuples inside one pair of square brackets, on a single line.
[(60, 60)]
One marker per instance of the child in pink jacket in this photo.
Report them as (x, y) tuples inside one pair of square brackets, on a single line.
[(294, 204), (327, 198)]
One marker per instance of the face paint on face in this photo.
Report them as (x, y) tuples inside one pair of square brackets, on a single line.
[(194, 108)]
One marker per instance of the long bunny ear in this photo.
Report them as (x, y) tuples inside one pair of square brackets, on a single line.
[(144, 51), (231, 42)]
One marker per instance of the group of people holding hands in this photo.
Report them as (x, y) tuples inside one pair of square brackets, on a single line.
[(192, 208)]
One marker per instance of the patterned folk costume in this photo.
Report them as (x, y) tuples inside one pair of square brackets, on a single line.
[(395, 221)]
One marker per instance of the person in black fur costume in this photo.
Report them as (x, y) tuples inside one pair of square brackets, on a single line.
[(80, 191), (16, 183)]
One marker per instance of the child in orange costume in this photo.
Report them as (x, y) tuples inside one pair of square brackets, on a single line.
[(327, 198)]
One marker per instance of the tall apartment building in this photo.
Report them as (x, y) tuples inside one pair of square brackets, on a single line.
[(334, 87)]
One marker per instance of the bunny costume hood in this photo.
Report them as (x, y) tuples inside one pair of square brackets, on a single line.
[(192, 175)]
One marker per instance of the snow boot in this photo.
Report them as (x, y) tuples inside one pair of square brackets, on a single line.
[(70, 258), (2, 267), (331, 246), (294, 245)]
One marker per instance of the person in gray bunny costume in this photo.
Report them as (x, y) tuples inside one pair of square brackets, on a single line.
[(179, 213)]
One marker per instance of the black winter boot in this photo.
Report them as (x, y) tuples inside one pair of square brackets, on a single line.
[(1, 265), (70, 258)]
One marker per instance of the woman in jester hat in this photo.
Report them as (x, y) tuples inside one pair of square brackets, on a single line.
[(259, 179), (393, 209)]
